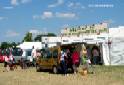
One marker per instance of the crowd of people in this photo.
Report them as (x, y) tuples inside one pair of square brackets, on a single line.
[(86, 58), (69, 58), (10, 63), (8, 59)]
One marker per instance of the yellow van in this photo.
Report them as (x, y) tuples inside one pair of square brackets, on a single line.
[(49, 59)]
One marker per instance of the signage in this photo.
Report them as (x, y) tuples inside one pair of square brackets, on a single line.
[(65, 41), (88, 39), (101, 38)]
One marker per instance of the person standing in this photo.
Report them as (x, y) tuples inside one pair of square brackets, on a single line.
[(33, 54), (6, 62), (84, 56), (11, 59), (85, 60), (69, 59), (63, 63), (11, 56), (96, 56), (88, 52), (23, 58), (75, 60), (89, 64)]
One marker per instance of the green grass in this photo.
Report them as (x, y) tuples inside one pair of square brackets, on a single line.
[(103, 75)]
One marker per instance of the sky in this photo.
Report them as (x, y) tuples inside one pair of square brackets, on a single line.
[(17, 17)]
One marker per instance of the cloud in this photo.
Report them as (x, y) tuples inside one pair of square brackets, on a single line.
[(47, 14), (109, 21), (8, 7), (71, 4), (76, 5), (101, 5), (3, 18), (36, 17), (59, 2), (11, 33), (34, 31), (65, 26), (17, 2), (65, 15), (25, 1), (14, 2)]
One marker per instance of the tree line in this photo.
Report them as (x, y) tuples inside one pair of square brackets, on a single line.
[(28, 38)]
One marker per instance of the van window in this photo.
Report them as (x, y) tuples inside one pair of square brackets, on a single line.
[(55, 53), (17, 52), (47, 54), (28, 53)]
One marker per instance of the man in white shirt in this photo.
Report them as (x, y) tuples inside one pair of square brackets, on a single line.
[(33, 54), (23, 58)]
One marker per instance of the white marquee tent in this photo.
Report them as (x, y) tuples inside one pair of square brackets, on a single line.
[(117, 45), (112, 53), (29, 45)]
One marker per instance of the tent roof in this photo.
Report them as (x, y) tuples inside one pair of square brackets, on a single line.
[(29, 45), (117, 32)]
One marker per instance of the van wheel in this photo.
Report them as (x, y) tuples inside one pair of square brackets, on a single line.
[(38, 69), (55, 70)]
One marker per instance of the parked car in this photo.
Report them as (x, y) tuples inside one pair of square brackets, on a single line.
[(2, 54), (1, 58), (17, 55)]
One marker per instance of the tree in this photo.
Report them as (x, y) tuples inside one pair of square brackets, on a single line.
[(51, 35), (13, 45), (4, 45), (39, 37), (28, 37)]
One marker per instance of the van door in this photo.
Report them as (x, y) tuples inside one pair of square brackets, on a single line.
[(47, 60), (55, 57)]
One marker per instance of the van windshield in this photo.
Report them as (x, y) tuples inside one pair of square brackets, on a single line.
[(17, 52), (47, 54), (3, 52)]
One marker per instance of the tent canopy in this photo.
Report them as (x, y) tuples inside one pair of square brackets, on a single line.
[(29, 45)]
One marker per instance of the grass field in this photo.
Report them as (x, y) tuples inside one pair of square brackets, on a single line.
[(103, 75)]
